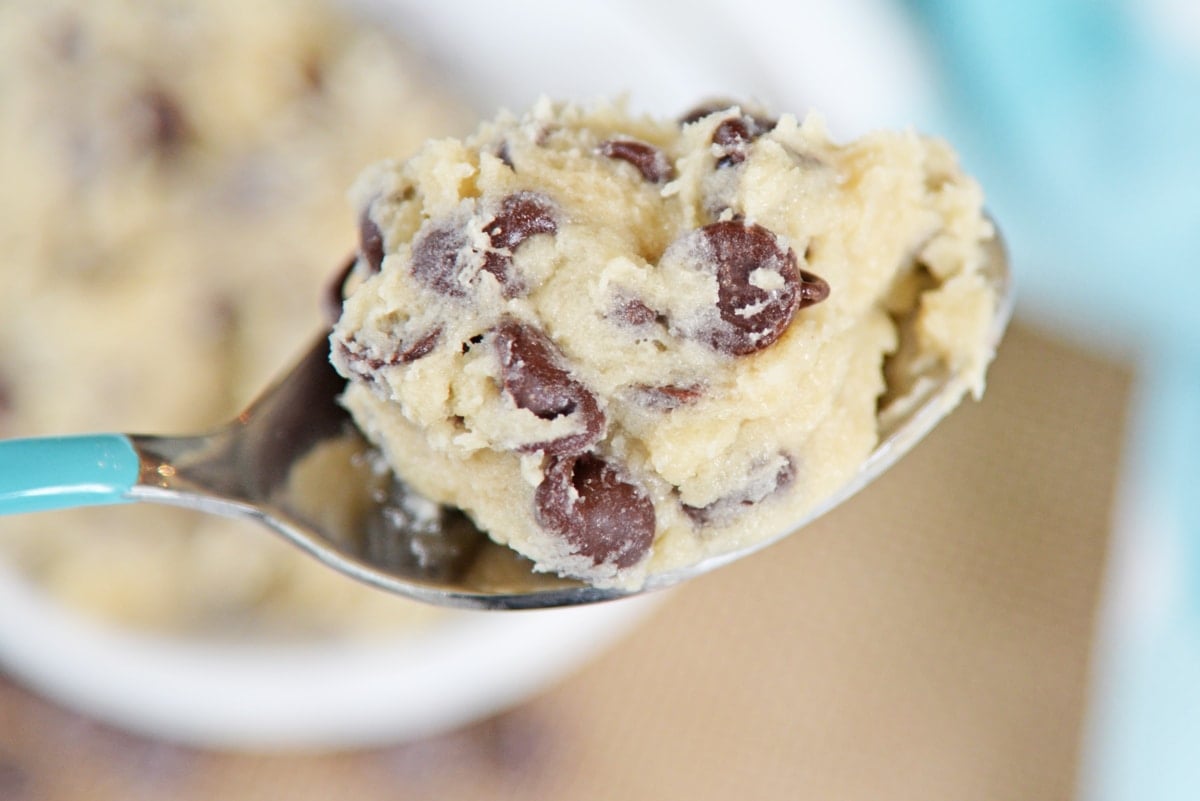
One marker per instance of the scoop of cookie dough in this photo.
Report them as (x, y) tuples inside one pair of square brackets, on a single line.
[(622, 345)]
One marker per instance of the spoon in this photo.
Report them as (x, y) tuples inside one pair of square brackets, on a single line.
[(294, 462)]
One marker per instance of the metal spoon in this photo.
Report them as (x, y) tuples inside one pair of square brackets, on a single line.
[(294, 462)]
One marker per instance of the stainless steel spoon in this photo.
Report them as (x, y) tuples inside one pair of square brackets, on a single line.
[(294, 462)]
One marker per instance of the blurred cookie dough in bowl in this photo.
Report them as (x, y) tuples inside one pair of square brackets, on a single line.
[(172, 211)]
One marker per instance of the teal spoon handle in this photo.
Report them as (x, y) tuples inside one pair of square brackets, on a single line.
[(63, 472)]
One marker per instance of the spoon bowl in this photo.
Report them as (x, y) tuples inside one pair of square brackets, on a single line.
[(295, 462)]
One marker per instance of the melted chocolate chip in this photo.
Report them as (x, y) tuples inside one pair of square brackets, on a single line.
[(521, 215), (723, 509), (370, 241), (585, 500), (532, 375), (649, 160), (435, 257)]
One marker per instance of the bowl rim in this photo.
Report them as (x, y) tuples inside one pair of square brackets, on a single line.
[(320, 694)]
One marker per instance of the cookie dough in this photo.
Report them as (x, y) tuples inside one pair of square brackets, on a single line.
[(173, 205), (624, 344)]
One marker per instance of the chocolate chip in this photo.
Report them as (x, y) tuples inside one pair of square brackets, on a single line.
[(758, 488), (667, 396), (734, 135), (650, 161), (442, 255), (532, 375), (813, 289), (758, 123), (703, 110), (521, 215), (500, 265), (164, 128), (420, 346), (436, 252), (363, 364), (754, 316), (635, 313), (585, 500), (370, 241), (759, 285)]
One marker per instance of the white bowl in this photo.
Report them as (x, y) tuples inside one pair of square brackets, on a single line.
[(854, 60), (316, 695)]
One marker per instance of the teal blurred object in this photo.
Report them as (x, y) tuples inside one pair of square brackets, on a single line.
[(62, 472), (1144, 737), (1083, 124), (1085, 130)]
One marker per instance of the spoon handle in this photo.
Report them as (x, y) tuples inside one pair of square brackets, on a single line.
[(45, 473)]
